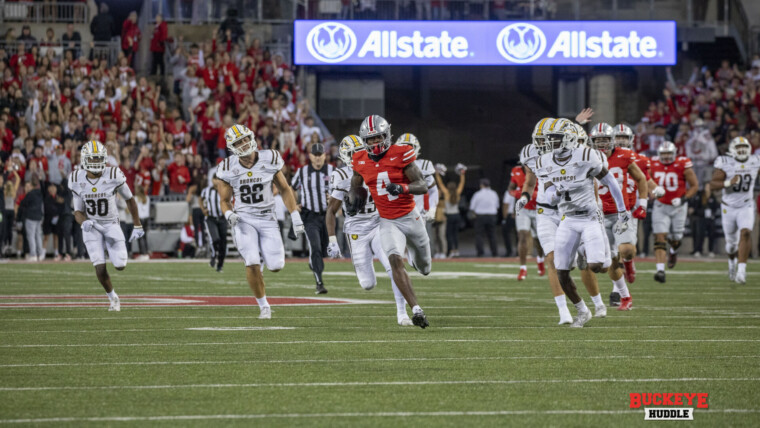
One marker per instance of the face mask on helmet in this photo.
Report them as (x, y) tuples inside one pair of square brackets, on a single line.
[(602, 143), (541, 145), (243, 146), (742, 151), (94, 163), (555, 141), (622, 141), (667, 157)]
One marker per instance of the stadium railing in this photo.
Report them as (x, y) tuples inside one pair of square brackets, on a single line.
[(48, 12), (101, 50), (278, 11)]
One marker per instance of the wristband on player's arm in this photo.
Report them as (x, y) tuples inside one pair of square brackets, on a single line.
[(332, 239), (228, 213), (727, 183), (295, 217), (404, 188), (526, 195)]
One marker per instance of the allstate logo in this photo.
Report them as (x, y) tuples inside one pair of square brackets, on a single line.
[(521, 42), (331, 42)]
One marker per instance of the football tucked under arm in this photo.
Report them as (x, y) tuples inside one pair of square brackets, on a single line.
[(356, 200)]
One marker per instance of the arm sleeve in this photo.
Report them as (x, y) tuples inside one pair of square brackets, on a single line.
[(433, 198), (125, 192), (612, 184), (78, 203)]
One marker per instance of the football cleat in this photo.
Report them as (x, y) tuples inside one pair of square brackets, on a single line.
[(420, 320), (219, 270), (115, 305), (672, 259), (212, 262), (626, 304), (732, 271), (600, 312), (565, 317), (660, 276), (629, 270), (266, 313), (404, 320), (522, 275), (614, 298), (541, 269), (741, 278), (581, 319), (321, 289)]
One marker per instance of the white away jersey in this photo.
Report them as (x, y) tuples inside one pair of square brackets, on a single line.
[(740, 194), (528, 156), (99, 195), (252, 186), (365, 220), (428, 173), (575, 176)]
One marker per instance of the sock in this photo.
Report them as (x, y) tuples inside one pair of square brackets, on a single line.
[(621, 287), (731, 263), (597, 300), (262, 302), (581, 306), (660, 267), (112, 295), (523, 267), (539, 259), (400, 301), (416, 309), (742, 268), (561, 302)]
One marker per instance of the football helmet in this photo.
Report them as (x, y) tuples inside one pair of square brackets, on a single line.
[(374, 126), (623, 135), (539, 138), (582, 135), (349, 145), (240, 140), (410, 140), (601, 137), (561, 135), (93, 157), (739, 148), (667, 152)]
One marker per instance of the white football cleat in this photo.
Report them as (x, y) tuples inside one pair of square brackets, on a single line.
[(732, 268), (600, 311), (115, 305), (404, 320), (581, 319), (565, 317), (266, 313), (740, 278)]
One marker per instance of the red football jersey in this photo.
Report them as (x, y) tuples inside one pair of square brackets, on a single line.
[(619, 161), (518, 177), (389, 169), (671, 177), (644, 165)]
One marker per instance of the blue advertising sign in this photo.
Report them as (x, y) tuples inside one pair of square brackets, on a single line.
[(485, 43)]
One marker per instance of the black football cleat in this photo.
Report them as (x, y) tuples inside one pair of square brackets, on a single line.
[(420, 320), (660, 276), (672, 259), (614, 299), (321, 289), (212, 262)]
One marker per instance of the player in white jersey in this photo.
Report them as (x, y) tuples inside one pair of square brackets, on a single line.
[(362, 230), (94, 187), (249, 175), (427, 203), (736, 173), (569, 172)]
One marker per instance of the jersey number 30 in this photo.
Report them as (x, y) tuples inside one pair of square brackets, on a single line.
[(251, 194), (99, 207)]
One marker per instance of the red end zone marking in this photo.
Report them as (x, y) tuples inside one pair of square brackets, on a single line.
[(25, 301)]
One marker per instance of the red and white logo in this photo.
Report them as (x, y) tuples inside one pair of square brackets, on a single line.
[(667, 406)]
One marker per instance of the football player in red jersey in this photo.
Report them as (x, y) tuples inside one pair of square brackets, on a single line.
[(669, 214), (622, 165), (393, 179), (525, 221)]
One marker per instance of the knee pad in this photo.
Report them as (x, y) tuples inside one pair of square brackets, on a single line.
[(660, 246), (731, 248), (277, 265)]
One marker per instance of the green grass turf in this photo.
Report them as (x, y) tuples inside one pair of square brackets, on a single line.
[(493, 348)]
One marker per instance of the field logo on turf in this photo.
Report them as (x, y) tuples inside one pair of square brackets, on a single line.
[(669, 405)]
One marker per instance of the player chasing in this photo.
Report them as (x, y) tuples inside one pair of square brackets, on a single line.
[(736, 173), (248, 175), (94, 187), (427, 203), (392, 178), (361, 229), (669, 213), (569, 173), (622, 165), (525, 217)]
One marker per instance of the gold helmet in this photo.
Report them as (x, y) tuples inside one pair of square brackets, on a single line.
[(240, 140), (349, 145), (539, 137), (93, 157), (739, 148), (410, 140)]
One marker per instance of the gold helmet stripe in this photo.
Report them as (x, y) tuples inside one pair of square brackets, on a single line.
[(356, 140), (94, 146), (551, 127), (235, 130), (541, 126)]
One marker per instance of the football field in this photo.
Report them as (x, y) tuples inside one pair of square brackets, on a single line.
[(180, 354)]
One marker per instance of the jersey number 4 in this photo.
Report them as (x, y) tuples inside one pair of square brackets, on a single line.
[(382, 181), (99, 207), (251, 194)]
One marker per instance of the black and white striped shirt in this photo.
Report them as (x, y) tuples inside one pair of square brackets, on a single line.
[(211, 201), (313, 186)]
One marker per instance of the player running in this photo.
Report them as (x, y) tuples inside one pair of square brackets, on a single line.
[(426, 204), (569, 173), (94, 187), (669, 213), (736, 173), (248, 175), (393, 178), (622, 165), (525, 218), (361, 229)]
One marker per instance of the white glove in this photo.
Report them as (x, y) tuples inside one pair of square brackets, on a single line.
[(643, 202), (658, 192), (460, 168), (137, 233), (520, 204), (676, 202), (298, 227), (87, 225), (333, 249), (622, 224), (429, 215), (232, 218), (441, 168)]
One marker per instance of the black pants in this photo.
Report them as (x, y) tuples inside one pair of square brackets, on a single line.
[(507, 231), (9, 218), (65, 226), (217, 232), (452, 231), (127, 229), (158, 61), (79, 240), (198, 225), (143, 242), (316, 234), (486, 225), (647, 233)]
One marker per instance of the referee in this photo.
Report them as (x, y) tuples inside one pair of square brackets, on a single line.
[(216, 224), (312, 184)]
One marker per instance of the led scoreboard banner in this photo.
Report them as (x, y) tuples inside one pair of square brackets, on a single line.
[(485, 43)]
